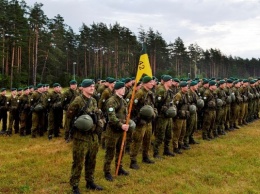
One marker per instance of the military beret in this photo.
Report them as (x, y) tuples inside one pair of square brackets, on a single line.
[(235, 82), (176, 80), (133, 78), (3, 89), (146, 79), (162, 76), (197, 78), (229, 81), (73, 82), (193, 83), (35, 88), (221, 82), (252, 81), (31, 86), (119, 85), (20, 89), (56, 85), (245, 80), (107, 79), (205, 81), (183, 84), (166, 78), (26, 88), (87, 82), (111, 80), (46, 85), (212, 83), (39, 85), (213, 78), (128, 79), (13, 89)]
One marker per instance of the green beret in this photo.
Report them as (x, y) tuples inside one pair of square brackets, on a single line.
[(133, 78), (229, 81), (111, 80), (245, 80), (166, 78), (197, 78), (193, 83), (3, 89), (212, 83), (252, 81), (107, 79), (87, 82), (213, 78), (73, 82), (20, 89), (31, 86), (13, 89), (39, 85), (128, 79), (221, 82), (146, 79), (176, 80), (46, 85), (119, 85), (183, 84), (205, 81), (235, 82), (162, 76), (56, 85), (26, 88)]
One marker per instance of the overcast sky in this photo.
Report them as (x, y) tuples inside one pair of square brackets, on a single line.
[(233, 26)]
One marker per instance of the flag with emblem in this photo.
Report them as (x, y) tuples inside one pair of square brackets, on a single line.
[(144, 66)]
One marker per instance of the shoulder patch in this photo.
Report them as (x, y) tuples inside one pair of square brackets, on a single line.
[(111, 109)]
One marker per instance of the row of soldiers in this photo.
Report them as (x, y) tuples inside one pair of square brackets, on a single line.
[(35, 110), (171, 111)]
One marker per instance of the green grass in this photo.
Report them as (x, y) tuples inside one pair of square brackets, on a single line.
[(229, 164)]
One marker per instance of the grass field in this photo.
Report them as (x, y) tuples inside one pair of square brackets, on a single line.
[(229, 164)]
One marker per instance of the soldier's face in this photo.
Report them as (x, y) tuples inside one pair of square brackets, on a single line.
[(89, 90)]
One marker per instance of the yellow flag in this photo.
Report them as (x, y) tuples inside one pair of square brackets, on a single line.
[(143, 67)]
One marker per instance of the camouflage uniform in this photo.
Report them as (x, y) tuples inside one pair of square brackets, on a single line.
[(244, 90), (85, 143), (143, 132), (24, 109), (235, 108), (55, 113), (12, 104), (182, 101), (163, 130), (67, 97), (209, 114), (220, 113), (191, 126), (116, 109), (3, 112), (38, 117)]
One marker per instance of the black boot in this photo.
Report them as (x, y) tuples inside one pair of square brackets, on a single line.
[(186, 146), (75, 190), (168, 153), (93, 186), (192, 141), (177, 151), (147, 160), (108, 176), (121, 171), (134, 165)]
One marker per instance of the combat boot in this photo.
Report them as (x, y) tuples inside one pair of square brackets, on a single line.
[(147, 160), (92, 186), (168, 153), (121, 171), (186, 146), (75, 190), (192, 141), (177, 151), (108, 176), (134, 165)]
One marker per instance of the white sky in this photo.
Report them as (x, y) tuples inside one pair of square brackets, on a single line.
[(232, 26)]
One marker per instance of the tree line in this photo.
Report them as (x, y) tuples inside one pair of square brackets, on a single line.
[(35, 48)]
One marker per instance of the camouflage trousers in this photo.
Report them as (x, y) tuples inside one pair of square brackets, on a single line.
[(191, 127), (243, 113), (163, 132), (84, 154), (179, 130), (141, 138), (113, 141), (208, 125), (235, 111), (13, 121), (220, 119)]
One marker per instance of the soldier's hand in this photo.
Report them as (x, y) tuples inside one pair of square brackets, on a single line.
[(125, 127)]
